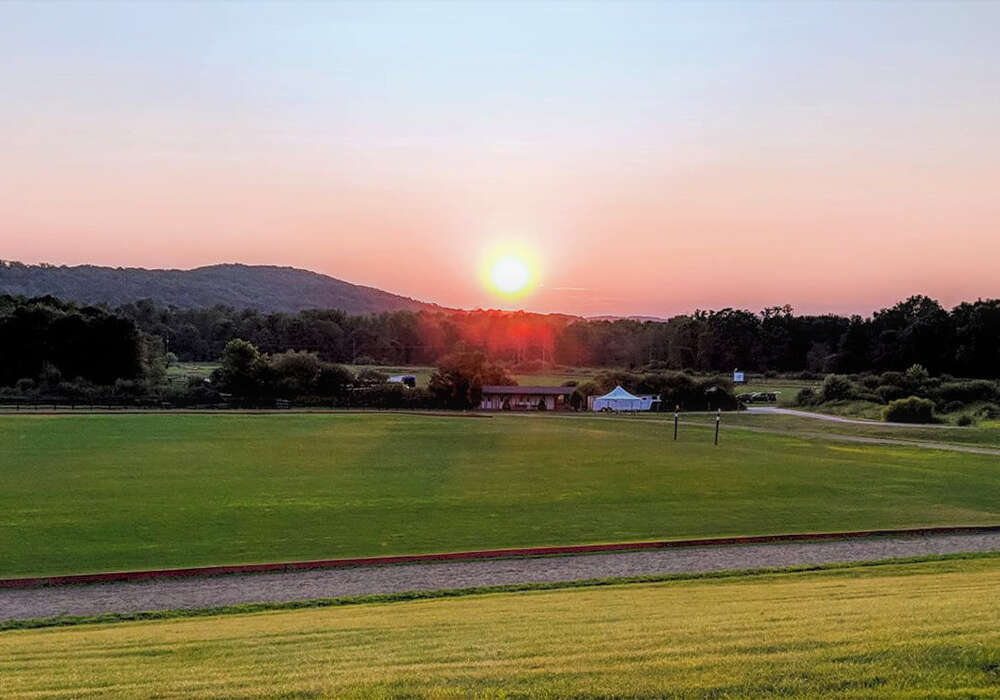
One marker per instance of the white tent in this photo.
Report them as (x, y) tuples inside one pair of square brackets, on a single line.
[(620, 400)]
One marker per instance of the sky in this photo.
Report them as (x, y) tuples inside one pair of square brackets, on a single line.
[(648, 158)]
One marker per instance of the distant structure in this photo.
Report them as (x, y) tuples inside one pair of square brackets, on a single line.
[(525, 398), (409, 380), (618, 399), (737, 376)]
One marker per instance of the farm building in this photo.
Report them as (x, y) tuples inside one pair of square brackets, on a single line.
[(620, 400), (525, 398)]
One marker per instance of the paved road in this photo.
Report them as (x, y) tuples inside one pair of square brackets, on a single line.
[(304, 585)]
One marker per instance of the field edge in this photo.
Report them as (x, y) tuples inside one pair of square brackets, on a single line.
[(892, 566)]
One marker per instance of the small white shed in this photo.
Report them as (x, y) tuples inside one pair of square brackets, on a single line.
[(620, 400)]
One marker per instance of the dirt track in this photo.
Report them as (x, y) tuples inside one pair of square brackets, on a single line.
[(840, 437), (774, 410), (304, 585)]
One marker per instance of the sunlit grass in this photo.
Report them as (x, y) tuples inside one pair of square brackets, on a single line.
[(96, 492), (917, 630)]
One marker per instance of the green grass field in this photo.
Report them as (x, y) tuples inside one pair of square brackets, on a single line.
[(898, 631), (96, 492), (185, 370)]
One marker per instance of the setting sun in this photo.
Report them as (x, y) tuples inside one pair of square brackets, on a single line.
[(510, 270), (510, 275)]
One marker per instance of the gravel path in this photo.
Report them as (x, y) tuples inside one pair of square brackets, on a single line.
[(304, 585), (840, 437), (841, 419)]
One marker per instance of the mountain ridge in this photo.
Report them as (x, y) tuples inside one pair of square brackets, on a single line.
[(266, 288)]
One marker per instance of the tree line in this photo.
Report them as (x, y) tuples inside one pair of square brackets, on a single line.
[(47, 340), (964, 341)]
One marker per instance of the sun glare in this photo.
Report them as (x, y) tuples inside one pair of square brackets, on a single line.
[(510, 270), (510, 275)]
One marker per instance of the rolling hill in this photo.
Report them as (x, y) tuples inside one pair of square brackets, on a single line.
[(266, 288)]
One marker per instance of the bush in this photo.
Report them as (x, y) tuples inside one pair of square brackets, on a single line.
[(332, 380), (990, 411), (890, 392), (965, 419), (892, 379), (910, 410), (805, 397), (836, 388), (967, 392), (364, 360), (953, 407), (871, 381), (917, 376), (371, 377)]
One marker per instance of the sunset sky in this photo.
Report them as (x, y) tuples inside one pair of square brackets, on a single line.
[(651, 158)]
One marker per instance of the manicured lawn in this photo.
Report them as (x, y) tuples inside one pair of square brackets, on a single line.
[(914, 630), (95, 492)]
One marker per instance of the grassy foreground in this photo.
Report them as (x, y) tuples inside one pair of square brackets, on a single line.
[(93, 492), (915, 630)]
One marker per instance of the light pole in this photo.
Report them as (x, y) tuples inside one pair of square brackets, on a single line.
[(718, 419), (677, 408)]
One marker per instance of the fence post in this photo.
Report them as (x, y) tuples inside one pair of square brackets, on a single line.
[(677, 408), (718, 419)]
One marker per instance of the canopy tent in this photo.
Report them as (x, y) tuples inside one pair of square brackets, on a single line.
[(620, 400)]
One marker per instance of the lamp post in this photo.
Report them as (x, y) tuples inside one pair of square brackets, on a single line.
[(677, 408), (718, 419)]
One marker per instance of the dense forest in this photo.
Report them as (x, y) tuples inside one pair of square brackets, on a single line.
[(963, 342), (65, 348), (52, 341)]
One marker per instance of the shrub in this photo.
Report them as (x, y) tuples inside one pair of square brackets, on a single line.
[(967, 392), (889, 392), (835, 388), (871, 381), (657, 365), (917, 375), (965, 419), (371, 377), (892, 379), (364, 360), (805, 397), (910, 410), (332, 380), (990, 411), (953, 406)]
